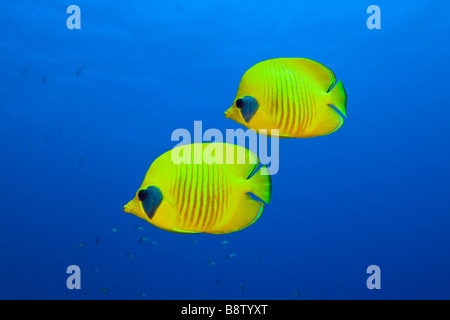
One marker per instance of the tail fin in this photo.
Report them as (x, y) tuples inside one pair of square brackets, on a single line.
[(338, 97), (261, 184)]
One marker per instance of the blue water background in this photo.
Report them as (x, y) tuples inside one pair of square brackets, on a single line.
[(75, 148)]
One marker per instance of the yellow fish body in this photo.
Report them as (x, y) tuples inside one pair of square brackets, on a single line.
[(207, 192), (292, 95)]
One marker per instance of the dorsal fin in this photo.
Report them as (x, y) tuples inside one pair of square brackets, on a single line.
[(313, 69)]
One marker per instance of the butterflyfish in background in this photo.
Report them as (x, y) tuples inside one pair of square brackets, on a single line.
[(297, 96)]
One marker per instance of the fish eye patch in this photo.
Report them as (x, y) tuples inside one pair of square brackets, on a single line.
[(151, 199), (249, 106)]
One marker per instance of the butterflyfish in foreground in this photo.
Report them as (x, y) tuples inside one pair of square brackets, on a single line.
[(297, 96), (207, 192)]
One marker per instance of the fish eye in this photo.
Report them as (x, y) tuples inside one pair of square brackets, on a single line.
[(239, 103), (142, 195)]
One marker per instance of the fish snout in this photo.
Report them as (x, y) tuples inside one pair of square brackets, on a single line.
[(228, 113), (128, 207)]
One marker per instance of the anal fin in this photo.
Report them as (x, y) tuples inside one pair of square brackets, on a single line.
[(330, 121), (247, 212)]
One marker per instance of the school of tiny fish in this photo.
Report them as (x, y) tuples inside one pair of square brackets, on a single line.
[(211, 260)]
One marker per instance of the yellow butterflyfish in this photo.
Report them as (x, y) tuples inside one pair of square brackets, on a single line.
[(206, 191), (292, 95)]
